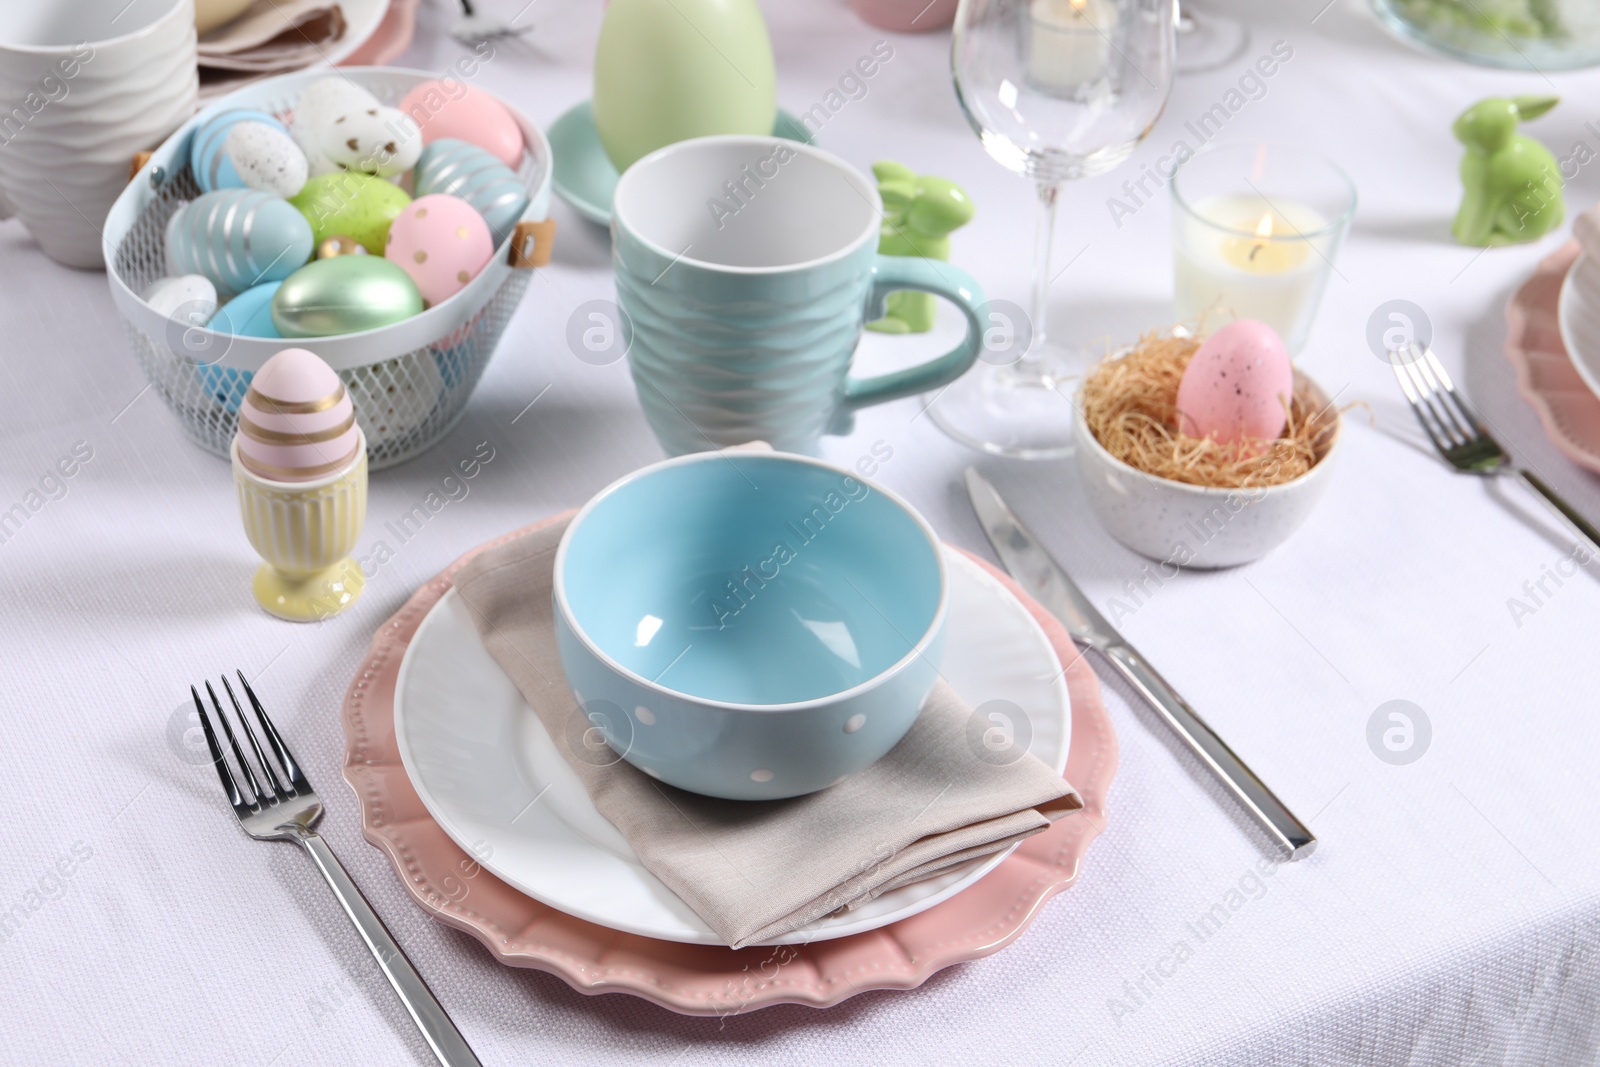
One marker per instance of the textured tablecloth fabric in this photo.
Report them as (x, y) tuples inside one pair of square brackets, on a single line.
[(1450, 917), (755, 871)]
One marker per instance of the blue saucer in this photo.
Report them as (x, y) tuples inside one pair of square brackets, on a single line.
[(583, 175)]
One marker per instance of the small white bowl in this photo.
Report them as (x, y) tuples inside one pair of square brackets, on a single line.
[(1190, 525)]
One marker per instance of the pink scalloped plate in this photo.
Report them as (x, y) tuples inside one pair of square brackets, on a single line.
[(699, 979), (393, 36), (1546, 377)]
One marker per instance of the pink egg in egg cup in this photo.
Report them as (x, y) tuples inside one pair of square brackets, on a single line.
[(300, 471)]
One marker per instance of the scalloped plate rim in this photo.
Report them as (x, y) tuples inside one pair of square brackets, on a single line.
[(669, 978), (1518, 355)]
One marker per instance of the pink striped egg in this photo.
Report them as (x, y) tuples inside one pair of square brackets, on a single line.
[(297, 422)]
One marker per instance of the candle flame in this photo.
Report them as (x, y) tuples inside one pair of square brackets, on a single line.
[(1264, 227), (1078, 5)]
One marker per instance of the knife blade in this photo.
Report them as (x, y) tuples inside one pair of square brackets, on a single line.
[(1033, 568)]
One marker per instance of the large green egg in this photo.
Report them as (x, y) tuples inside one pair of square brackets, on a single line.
[(358, 205), (345, 294), (666, 72)]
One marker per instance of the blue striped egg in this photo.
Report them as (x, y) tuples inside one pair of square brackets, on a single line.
[(456, 168), (211, 166), (238, 238)]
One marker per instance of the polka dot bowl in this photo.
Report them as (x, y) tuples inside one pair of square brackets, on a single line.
[(749, 625)]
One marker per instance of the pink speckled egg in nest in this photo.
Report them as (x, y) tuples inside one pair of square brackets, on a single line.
[(1237, 385)]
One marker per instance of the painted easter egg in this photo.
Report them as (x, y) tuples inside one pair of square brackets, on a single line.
[(249, 314), (664, 73), (265, 158), (208, 156), (297, 422), (238, 238), (354, 205), (345, 294), (396, 397), (1237, 385), (456, 168), (319, 104), (442, 243), (370, 140), (459, 111), (340, 245), (190, 298)]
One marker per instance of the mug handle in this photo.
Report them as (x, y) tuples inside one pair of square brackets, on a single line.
[(890, 273)]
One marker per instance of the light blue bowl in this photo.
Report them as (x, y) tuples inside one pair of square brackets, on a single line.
[(749, 625)]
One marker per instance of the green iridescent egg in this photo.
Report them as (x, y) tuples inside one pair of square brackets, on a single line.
[(357, 205), (345, 294)]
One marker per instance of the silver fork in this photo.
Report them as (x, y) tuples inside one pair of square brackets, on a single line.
[(286, 810), (1459, 435)]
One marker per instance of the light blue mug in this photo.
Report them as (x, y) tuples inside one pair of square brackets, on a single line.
[(746, 267)]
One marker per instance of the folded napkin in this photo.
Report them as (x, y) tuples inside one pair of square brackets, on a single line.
[(754, 870), (273, 36)]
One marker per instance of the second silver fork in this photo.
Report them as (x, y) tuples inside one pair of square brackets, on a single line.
[(1460, 436)]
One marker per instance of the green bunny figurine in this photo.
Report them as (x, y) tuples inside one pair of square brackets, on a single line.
[(919, 214), (1511, 183)]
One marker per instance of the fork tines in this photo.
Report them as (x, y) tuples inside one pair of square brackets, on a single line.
[(1444, 415), (291, 784)]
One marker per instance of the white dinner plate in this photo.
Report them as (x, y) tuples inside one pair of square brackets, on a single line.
[(1578, 313), (491, 776)]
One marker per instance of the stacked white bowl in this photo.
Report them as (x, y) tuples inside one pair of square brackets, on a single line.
[(84, 86)]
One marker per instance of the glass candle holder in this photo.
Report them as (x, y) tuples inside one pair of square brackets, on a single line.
[(1256, 229)]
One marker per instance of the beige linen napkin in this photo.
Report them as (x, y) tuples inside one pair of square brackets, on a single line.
[(756, 870), (273, 36)]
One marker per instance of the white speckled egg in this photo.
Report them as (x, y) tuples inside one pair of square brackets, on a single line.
[(395, 398), (266, 158), (442, 243), (238, 238), (320, 101), (191, 298), (297, 422), (208, 157), (456, 168), (370, 140)]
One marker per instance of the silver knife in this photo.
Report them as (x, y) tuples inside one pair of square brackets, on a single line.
[(1037, 572)]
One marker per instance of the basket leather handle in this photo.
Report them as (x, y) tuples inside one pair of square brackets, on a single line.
[(531, 243), (139, 160)]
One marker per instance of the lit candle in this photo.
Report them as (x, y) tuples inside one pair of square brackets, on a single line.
[(1241, 255), (1069, 42)]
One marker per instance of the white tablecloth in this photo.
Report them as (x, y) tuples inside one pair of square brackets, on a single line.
[(1451, 916)]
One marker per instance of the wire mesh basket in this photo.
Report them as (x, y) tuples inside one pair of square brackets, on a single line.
[(409, 382)]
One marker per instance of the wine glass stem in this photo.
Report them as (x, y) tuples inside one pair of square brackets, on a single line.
[(1049, 193)]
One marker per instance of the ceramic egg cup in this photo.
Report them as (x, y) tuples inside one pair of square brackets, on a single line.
[(305, 531), (1195, 526)]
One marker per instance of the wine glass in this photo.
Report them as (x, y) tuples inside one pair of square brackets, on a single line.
[(1056, 90)]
